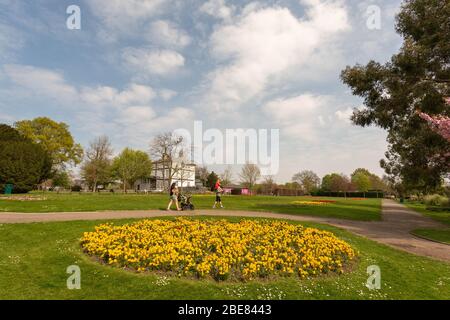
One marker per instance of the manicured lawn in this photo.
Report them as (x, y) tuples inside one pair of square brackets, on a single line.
[(441, 235), (441, 216), (34, 258), (367, 209), (432, 234)]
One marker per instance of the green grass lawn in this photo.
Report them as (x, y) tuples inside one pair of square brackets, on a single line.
[(34, 258), (433, 234), (367, 209), (441, 216), (441, 235)]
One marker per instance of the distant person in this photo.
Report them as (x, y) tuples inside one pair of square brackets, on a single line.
[(173, 196), (218, 189)]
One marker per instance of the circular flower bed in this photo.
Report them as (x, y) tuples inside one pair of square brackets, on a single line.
[(219, 249)]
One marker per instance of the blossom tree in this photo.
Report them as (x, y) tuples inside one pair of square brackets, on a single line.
[(439, 124)]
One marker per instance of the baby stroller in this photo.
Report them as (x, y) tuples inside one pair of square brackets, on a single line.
[(185, 202)]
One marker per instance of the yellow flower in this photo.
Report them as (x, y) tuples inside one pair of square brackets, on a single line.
[(219, 248)]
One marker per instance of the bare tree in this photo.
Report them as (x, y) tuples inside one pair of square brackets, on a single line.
[(201, 173), (169, 149), (227, 176), (250, 173), (96, 167), (268, 184), (308, 180)]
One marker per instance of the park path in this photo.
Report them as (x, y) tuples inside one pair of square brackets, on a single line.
[(393, 230)]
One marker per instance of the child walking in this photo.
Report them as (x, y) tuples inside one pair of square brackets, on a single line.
[(218, 189)]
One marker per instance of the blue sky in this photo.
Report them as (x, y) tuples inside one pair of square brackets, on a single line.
[(140, 67)]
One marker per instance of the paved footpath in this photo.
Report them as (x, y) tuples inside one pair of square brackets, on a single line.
[(393, 230)]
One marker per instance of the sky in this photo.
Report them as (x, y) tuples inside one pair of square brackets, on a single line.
[(138, 68)]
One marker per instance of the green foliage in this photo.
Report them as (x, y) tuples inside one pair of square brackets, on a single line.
[(436, 200), (308, 180), (131, 165), (22, 163), (211, 179), (53, 137), (335, 182), (415, 79), (61, 179), (361, 181)]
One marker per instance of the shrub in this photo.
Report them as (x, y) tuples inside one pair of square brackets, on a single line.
[(76, 188), (23, 163), (436, 200)]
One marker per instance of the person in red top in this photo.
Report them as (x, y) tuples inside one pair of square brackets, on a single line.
[(218, 189)]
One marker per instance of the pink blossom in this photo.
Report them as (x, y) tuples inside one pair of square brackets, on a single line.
[(439, 124)]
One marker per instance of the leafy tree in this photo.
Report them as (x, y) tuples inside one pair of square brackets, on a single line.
[(374, 182), (250, 173), (416, 78), (61, 179), (361, 181), (53, 137), (131, 165), (335, 182), (211, 179), (22, 162), (96, 168), (308, 180)]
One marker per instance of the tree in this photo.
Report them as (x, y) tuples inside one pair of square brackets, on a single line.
[(131, 165), (250, 173), (335, 182), (440, 124), (308, 180), (96, 168), (227, 176), (416, 78), (61, 179), (53, 137), (361, 181), (268, 185), (201, 173), (168, 148), (211, 179), (364, 180), (22, 162)]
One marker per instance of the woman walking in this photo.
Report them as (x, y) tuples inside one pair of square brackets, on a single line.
[(173, 196), (218, 189)]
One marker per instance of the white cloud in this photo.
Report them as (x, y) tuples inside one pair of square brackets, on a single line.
[(344, 115), (124, 18), (297, 116), (217, 9), (263, 46), (167, 94), (40, 81), (138, 123), (108, 96), (152, 61), (168, 34)]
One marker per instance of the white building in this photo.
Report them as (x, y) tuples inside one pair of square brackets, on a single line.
[(182, 173)]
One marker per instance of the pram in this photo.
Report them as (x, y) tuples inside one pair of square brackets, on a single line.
[(185, 202)]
